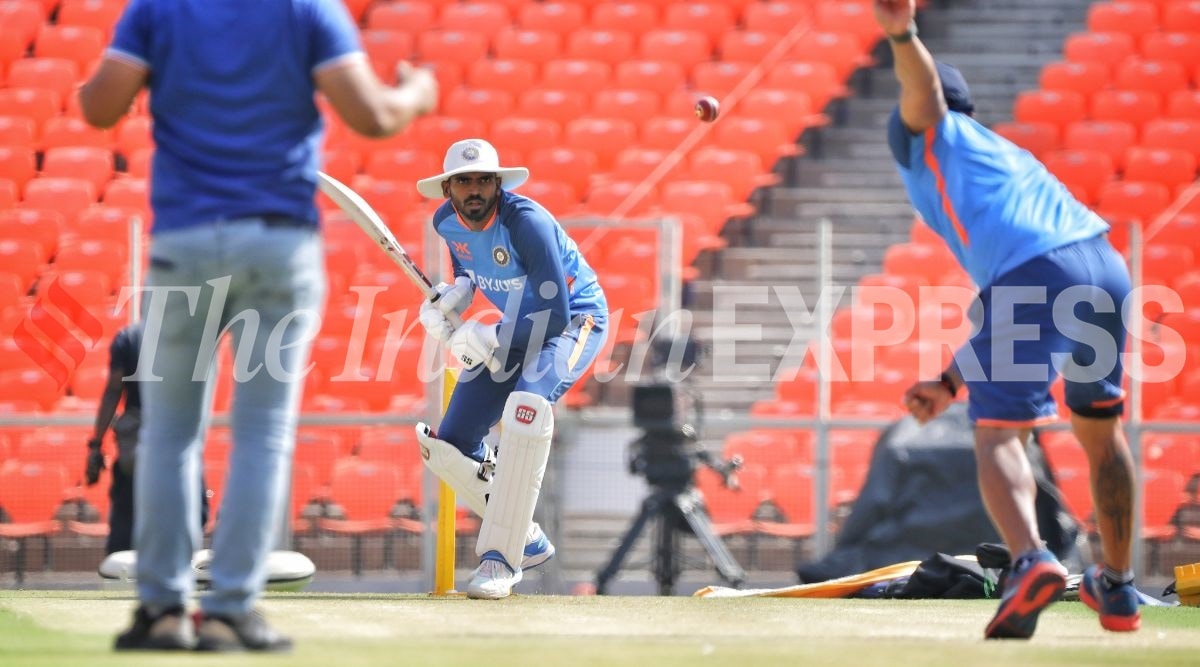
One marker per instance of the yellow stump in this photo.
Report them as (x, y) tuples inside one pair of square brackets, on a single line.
[(443, 568), (1187, 584)]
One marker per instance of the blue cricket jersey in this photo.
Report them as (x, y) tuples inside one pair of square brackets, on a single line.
[(526, 265), (236, 130), (996, 206)]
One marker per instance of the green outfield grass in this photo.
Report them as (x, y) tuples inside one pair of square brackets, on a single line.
[(75, 629)]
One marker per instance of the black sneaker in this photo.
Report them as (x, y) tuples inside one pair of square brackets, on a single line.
[(169, 630), (248, 632)]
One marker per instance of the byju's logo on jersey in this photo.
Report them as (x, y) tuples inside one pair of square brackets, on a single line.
[(500, 256), (525, 414), (461, 249)]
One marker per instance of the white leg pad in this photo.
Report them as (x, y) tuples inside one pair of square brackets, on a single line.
[(526, 429), (470, 479)]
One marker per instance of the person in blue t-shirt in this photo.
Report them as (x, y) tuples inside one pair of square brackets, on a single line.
[(553, 324), (1051, 289), (234, 247)]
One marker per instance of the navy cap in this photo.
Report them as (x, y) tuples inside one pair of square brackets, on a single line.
[(954, 89)]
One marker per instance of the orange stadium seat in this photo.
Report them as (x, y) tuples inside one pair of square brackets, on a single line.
[(1108, 48), (366, 493), (94, 165), (485, 104), (456, 15), (1056, 107), (665, 131), (610, 46), (767, 137), (17, 131), (743, 170), (525, 135), (37, 104), (712, 201), (386, 48), (1179, 47), (627, 197), (56, 74), (132, 193), (575, 74), (511, 76), (709, 19), (40, 226), (8, 194), (452, 46), (1133, 18), (732, 510), (1183, 104), (18, 164), (436, 133), (31, 495), (573, 166), (719, 78), (1083, 77), (1168, 166), (659, 76), (851, 17), (1110, 137), (925, 260), (30, 385), (791, 491), (558, 17), (535, 46), (636, 163), (686, 47), (793, 107), (776, 16), (631, 16), (1181, 134), (561, 106), (23, 258), (628, 104), (751, 46), (410, 16), (1181, 17), (1133, 200), (104, 223), (1084, 171), (558, 197), (1132, 106), (402, 164), (603, 137), (1156, 76), (21, 21), (69, 132), (69, 196), (1038, 138), (80, 44), (841, 50), (101, 14), (819, 80)]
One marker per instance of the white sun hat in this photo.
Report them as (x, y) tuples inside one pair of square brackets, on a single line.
[(469, 156)]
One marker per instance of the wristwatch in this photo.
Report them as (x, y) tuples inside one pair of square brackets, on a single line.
[(905, 36)]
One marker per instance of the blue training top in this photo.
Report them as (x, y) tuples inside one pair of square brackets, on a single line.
[(236, 131), (523, 246), (995, 205)]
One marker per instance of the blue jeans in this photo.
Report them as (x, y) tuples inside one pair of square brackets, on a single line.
[(264, 285)]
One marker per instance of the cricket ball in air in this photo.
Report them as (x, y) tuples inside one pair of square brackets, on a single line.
[(707, 108)]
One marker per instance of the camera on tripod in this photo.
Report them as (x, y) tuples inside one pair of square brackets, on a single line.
[(668, 452)]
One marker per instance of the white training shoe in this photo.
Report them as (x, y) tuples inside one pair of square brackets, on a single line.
[(493, 579)]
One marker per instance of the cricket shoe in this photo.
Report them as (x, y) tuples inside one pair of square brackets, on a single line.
[(1036, 581), (243, 632), (538, 549), (1117, 605), (168, 630), (493, 579)]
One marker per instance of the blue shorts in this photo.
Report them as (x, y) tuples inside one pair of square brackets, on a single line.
[(1057, 314), (478, 399)]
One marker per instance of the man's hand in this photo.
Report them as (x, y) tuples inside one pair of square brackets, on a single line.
[(95, 461), (474, 343), (435, 322), (926, 400), (455, 298), (894, 16)]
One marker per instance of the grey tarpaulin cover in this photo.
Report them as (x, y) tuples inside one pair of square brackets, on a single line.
[(921, 496)]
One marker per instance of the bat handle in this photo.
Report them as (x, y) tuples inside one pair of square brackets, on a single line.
[(493, 364)]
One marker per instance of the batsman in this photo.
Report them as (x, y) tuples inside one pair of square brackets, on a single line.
[(553, 324)]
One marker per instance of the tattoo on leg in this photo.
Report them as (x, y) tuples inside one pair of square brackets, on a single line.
[(1114, 490)]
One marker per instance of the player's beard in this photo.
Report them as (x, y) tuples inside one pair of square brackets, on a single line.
[(471, 212)]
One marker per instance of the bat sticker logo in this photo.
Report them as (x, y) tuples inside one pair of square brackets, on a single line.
[(525, 414)]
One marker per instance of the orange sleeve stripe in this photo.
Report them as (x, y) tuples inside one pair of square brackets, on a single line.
[(584, 332), (931, 162), (1110, 402)]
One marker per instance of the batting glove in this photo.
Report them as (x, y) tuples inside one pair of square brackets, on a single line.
[(435, 322), (455, 298), (474, 343), (95, 462)]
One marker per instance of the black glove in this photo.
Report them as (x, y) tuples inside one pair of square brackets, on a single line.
[(95, 461)]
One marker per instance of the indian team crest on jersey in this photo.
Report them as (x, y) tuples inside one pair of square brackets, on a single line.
[(500, 256)]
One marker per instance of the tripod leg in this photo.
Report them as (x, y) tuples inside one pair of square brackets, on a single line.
[(666, 570), (693, 512), (649, 507)]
